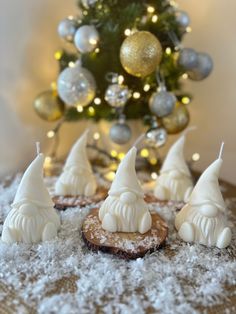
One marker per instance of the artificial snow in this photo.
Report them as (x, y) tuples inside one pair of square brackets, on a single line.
[(178, 278)]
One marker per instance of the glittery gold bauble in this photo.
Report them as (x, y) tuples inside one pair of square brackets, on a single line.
[(49, 106), (177, 120), (140, 54)]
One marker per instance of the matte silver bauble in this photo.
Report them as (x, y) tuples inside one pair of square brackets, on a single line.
[(203, 68), (67, 29), (182, 18), (162, 103), (120, 133), (86, 38), (188, 58)]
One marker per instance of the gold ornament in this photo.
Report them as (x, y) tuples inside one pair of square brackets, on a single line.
[(140, 54), (49, 106), (177, 120)]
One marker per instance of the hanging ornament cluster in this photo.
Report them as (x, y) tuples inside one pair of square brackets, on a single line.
[(120, 132), (76, 86), (197, 65), (67, 28), (86, 38), (49, 106), (140, 53)]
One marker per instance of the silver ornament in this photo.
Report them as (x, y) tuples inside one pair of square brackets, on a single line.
[(67, 29), (117, 95), (162, 103), (120, 133), (188, 58), (76, 86), (203, 68), (88, 3), (182, 18), (156, 137), (86, 38)]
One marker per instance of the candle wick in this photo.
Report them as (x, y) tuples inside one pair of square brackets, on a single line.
[(221, 150), (38, 148)]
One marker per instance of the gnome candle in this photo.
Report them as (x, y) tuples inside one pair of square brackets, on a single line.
[(125, 209), (32, 218), (202, 219), (77, 177), (174, 182), (123, 226)]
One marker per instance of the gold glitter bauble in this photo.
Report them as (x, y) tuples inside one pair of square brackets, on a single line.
[(177, 120), (49, 106), (140, 54)]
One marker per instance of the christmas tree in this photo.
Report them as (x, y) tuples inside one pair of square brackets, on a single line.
[(127, 63)]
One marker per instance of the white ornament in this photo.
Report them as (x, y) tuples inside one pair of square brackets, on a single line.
[(77, 177), (125, 210), (33, 217), (86, 38), (175, 181), (76, 86), (203, 220)]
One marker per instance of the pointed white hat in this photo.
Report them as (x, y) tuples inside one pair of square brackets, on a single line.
[(207, 190), (32, 187), (78, 155), (126, 178), (175, 158)]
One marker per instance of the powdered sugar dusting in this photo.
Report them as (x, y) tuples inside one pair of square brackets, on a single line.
[(178, 278)]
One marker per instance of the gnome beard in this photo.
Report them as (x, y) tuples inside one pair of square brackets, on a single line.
[(126, 212), (74, 181), (204, 224), (29, 223), (174, 186)]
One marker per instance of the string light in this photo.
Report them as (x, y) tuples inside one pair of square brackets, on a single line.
[(154, 18), (146, 87), (195, 156), (58, 55), (153, 161), (97, 101), (85, 13), (70, 17), (97, 50), (168, 51), (144, 153), (154, 175), (150, 9), (120, 79), (121, 156), (54, 86), (127, 32), (93, 41), (96, 136), (185, 76), (114, 153), (79, 108), (71, 64), (136, 95), (50, 134), (91, 111), (188, 29), (47, 163), (185, 100), (110, 175)]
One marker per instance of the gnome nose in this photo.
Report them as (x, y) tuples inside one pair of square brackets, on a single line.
[(209, 211), (128, 197), (28, 210)]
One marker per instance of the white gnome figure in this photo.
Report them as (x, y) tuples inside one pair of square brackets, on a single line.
[(202, 219), (32, 218), (77, 177), (175, 181), (124, 210)]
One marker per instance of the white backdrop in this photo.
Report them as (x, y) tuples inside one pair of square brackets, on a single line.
[(28, 40)]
